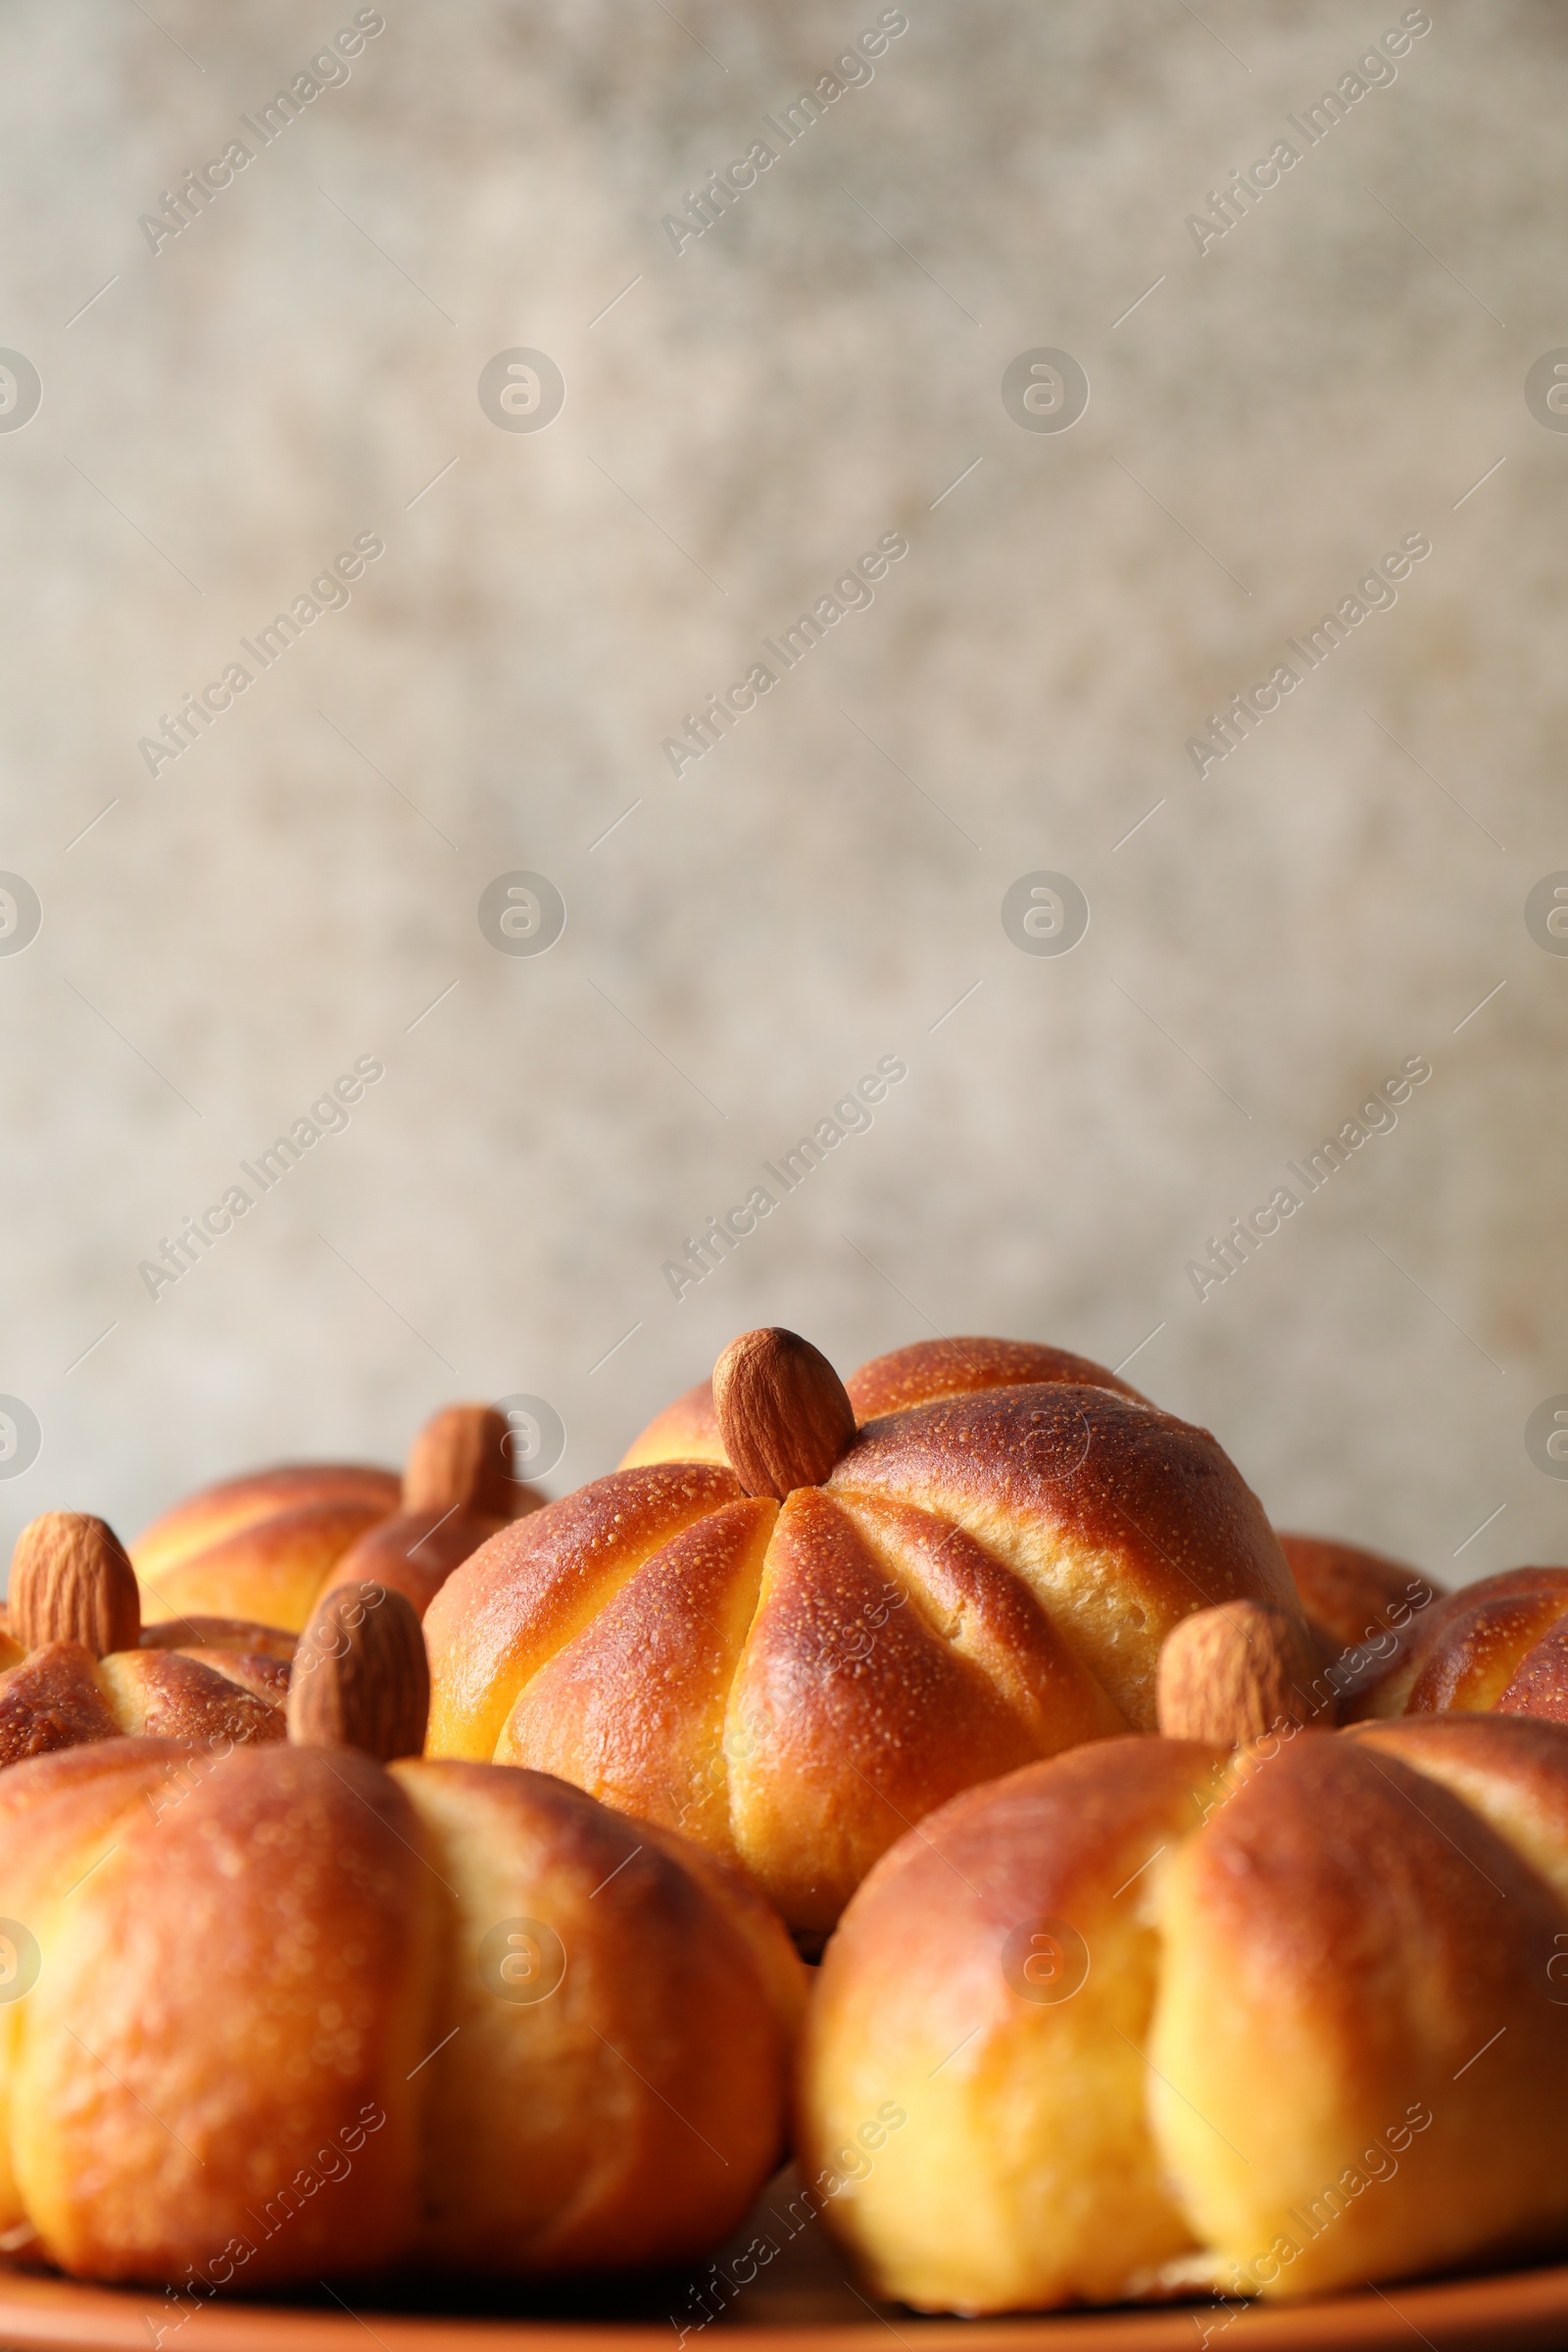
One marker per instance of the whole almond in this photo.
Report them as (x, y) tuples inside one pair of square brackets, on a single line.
[(360, 1677), (783, 1412), (1232, 1672), (461, 1459), (72, 1581)]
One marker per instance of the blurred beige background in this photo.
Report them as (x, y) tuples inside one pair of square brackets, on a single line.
[(299, 887)]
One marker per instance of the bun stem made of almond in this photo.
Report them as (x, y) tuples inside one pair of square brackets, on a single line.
[(1235, 1671), (783, 1412), (71, 1581), (360, 1677)]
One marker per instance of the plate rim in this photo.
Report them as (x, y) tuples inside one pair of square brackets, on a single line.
[(40, 2312)]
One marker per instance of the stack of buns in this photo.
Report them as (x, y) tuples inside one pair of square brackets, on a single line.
[(1195, 1899)]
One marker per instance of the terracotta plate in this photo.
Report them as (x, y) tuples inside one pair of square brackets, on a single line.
[(799, 2296)]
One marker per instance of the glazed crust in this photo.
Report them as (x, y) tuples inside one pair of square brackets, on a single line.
[(631, 2115), (1352, 1596), (253, 1670), (52, 1700), (217, 1512), (1119, 1518), (853, 1710), (933, 1369), (414, 1553), (1509, 1774), (1539, 1683), (1023, 2174), (149, 2121), (386, 2076), (168, 1695), (1311, 1982), (982, 1579), (520, 1598), (272, 1569), (61, 1696), (1373, 1935), (1495, 1643), (634, 1708)]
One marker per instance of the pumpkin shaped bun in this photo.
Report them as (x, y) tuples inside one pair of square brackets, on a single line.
[(269, 1545), (1353, 1597), (1174, 2015), (307, 2010), (1498, 1646), (802, 1615), (77, 1665)]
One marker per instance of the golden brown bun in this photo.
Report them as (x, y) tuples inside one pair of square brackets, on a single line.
[(935, 1368), (269, 1546), (217, 1512), (169, 1695), (270, 1570), (1023, 2173), (62, 1696), (1493, 1645), (982, 1579), (1366, 1612), (253, 1670), (641, 2113), (52, 1700), (1348, 1593), (414, 1553), (1368, 1934), (211, 1681), (522, 1595), (687, 1431), (1290, 2024), (275, 2033)]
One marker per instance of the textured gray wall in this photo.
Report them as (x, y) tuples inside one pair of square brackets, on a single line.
[(302, 883)]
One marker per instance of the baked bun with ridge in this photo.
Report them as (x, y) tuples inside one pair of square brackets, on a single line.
[(1367, 1611), (323, 2008), (803, 1613), (1176, 2015), (267, 1545), (1498, 1646), (76, 1665)]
